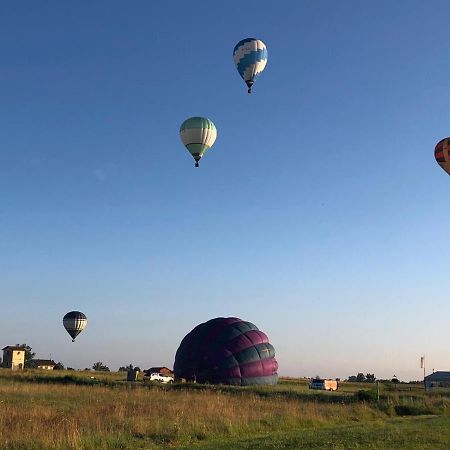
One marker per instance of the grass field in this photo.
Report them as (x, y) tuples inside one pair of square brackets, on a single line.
[(70, 410)]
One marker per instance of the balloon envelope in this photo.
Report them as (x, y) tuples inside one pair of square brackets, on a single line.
[(441, 154), (250, 56), (74, 322), (198, 135), (229, 351)]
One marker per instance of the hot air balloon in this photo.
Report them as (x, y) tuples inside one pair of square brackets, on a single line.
[(250, 57), (441, 154), (74, 322), (198, 134), (228, 351)]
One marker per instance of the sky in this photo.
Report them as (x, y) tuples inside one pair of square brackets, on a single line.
[(319, 215)]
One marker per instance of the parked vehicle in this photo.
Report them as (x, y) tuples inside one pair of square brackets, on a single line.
[(320, 383), (161, 378)]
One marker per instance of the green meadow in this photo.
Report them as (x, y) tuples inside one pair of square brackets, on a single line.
[(71, 410)]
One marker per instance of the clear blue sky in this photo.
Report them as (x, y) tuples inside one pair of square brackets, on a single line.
[(320, 214)]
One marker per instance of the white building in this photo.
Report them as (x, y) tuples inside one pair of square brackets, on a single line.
[(13, 357)]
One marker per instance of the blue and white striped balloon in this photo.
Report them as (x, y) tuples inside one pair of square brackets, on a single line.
[(250, 57)]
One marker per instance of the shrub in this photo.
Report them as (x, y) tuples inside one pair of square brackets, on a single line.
[(413, 410), (366, 396)]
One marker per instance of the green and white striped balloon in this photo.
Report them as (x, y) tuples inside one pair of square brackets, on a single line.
[(198, 134)]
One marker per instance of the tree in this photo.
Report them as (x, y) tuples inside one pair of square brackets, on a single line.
[(129, 368), (370, 377), (59, 366), (360, 378), (29, 355), (100, 367)]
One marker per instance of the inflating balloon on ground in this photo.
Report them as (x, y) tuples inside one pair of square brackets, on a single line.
[(228, 351)]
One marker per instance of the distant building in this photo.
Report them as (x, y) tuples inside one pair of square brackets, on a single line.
[(44, 364), (163, 370), (437, 379), (14, 357)]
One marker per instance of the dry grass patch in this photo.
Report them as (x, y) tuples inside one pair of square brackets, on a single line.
[(57, 416)]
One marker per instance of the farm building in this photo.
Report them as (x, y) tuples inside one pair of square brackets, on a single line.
[(163, 370), (44, 364), (13, 357), (437, 379)]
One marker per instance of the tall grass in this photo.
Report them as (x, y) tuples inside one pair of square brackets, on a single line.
[(72, 411), (36, 416)]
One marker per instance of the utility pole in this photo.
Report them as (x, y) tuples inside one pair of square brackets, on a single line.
[(422, 365)]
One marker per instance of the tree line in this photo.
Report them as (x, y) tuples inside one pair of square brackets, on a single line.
[(361, 378), (97, 366)]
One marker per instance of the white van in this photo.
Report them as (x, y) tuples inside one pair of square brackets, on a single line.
[(320, 383)]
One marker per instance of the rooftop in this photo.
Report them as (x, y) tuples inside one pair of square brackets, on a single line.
[(157, 370), (43, 362), (439, 375)]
